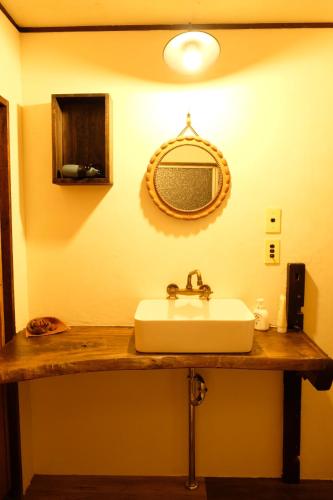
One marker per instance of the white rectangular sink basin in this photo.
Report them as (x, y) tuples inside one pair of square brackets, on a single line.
[(193, 325)]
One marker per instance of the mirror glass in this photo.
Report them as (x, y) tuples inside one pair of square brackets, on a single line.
[(188, 177)]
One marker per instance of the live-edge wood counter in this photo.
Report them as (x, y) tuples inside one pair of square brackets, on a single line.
[(104, 348), (98, 348)]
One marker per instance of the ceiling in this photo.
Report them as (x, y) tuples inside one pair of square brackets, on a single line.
[(48, 13)]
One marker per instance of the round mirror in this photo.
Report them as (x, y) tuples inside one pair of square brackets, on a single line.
[(188, 177)]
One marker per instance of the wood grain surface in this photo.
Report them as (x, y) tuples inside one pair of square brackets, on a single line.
[(104, 348), (166, 488), (112, 488)]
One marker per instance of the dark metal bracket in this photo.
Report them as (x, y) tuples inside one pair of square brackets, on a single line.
[(292, 399), (321, 380), (292, 391)]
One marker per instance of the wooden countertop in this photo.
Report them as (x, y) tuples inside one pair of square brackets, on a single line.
[(104, 348)]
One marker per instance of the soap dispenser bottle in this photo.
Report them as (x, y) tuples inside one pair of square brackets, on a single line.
[(260, 316)]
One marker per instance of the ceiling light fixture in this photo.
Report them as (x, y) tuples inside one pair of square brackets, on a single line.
[(191, 52)]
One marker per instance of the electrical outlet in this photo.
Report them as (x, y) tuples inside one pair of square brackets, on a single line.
[(273, 220), (272, 252)]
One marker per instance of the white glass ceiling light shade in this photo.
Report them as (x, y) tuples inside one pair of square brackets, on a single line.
[(191, 52)]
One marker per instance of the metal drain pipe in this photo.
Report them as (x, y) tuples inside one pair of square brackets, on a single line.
[(196, 394)]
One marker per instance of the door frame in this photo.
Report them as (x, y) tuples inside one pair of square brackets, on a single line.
[(9, 391), (6, 223)]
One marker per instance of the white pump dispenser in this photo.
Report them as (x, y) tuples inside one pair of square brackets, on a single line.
[(261, 316), (282, 315)]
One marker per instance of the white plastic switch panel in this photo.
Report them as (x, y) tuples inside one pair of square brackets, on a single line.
[(273, 220), (272, 252)]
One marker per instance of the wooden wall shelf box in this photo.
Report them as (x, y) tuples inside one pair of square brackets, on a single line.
[(81, 136)]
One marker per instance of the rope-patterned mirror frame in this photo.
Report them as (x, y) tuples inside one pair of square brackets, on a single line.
[(186, 141)]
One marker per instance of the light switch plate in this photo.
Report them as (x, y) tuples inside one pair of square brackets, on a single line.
[(273, 220), (272, 252)]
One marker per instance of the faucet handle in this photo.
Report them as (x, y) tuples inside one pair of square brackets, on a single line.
[(172, 291), (206, 291)]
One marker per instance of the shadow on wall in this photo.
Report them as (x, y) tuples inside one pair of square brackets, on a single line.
[(57, 213), (140, 54), (170, 225), (317, 436), (53, 212)]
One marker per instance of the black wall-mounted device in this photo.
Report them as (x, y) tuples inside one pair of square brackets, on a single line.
[(295, 296)]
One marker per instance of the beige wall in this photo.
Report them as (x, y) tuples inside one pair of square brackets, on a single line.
[(10, 89), (94, 252)]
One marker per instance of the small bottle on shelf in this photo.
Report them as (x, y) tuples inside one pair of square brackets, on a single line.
[(261, 316)]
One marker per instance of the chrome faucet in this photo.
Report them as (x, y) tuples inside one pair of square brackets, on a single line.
[(203, 290)]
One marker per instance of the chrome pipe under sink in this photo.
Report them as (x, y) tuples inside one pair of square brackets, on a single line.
[(196, 394)]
